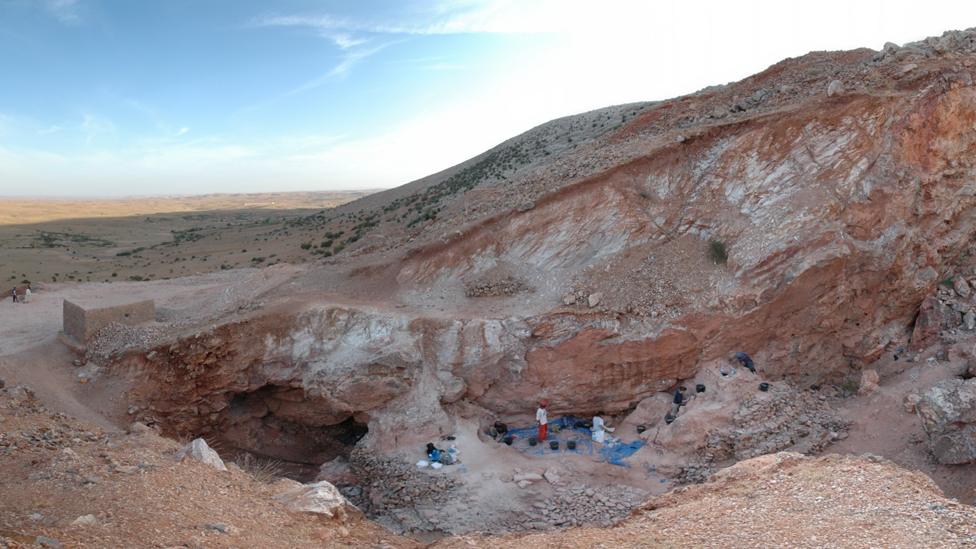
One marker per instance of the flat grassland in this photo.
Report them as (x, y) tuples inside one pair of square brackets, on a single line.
[(102, 240)]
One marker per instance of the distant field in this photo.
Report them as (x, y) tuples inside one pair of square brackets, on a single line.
[(45, 240), (35, 210)]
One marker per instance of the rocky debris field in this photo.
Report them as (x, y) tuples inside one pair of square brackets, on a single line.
[(401, 497), (507, 286), (767, 425), (583, 505), (781, 500), (64, 483)]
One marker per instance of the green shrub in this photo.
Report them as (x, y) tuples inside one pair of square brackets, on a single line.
[(717, 251)]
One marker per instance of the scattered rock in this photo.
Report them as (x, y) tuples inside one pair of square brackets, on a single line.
[(869, 382), (836, 87), (969, 320), (594, 299), (138, 428), (552, 476), (961, 287), (85, 520), (45, 541), (199, 450), (220, 527), (530, 477), (321, 498), (911, 402)]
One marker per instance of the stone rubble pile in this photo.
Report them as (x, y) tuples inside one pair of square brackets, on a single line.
[(507, 286), (116, 338), (773, 421), (388, 483), (582, 505)]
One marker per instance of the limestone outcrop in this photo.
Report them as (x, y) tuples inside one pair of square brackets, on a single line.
[(948, 413)]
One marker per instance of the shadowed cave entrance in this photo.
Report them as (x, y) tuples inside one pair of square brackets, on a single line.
[(283, 424)]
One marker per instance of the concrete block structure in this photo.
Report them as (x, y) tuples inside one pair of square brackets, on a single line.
[(83, 320)]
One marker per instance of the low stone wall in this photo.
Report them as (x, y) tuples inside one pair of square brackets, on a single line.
[(81, 323)]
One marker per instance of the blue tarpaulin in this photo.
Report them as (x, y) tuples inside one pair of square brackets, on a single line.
[(566, 430)]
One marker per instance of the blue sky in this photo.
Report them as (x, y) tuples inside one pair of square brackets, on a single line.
[(126, 97)]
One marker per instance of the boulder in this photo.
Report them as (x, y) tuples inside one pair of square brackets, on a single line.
[(199, 450), (552, 476), (969, 320), (320, 498), (933, 317), (527, 477), (948, 413), (869, 382), (961, 287), (836, 87), (337, 471), (594, 299)]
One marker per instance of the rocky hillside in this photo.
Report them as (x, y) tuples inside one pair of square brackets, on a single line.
[(801, 215)]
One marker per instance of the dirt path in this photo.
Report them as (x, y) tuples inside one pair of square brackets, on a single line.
[(882, 427)]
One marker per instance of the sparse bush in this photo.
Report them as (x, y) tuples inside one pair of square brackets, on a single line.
[(306, 245), (717, 251), (135, 278)]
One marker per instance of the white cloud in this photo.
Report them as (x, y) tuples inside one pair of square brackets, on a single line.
[(182, 131)]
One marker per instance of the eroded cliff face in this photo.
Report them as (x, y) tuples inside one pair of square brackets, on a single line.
[(839, 215)]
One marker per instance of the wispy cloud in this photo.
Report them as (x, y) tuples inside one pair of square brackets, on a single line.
[(182, 131), (479, 16), (344, 40), (65, 11)]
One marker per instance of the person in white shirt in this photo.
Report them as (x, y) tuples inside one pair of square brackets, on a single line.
[(600, 430), (542, 419)]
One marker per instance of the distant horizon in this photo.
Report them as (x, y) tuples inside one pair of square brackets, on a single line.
[(116, 98), (183, 195)]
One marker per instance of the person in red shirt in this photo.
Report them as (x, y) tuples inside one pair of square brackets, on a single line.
[(542, 419)]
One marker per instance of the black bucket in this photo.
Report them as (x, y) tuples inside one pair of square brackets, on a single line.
[(764, 386), (501, 428), (700, 388), (554, 444), (669, 419), (533, 441), (571, 444), (641, 429), (508, 440)]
